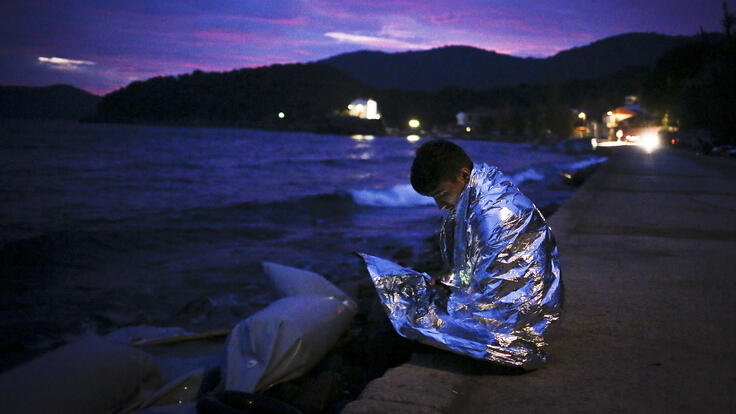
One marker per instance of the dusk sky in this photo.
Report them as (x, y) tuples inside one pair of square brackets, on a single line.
[(103, 45)]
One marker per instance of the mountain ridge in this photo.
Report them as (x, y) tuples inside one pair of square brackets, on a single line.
[(479, 69)]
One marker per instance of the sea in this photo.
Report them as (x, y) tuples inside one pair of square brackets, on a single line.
[(111, 226)]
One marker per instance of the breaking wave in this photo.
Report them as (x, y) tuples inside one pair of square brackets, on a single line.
[(402, 195), (530, 174)]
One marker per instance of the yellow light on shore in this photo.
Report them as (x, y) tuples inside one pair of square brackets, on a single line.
[(467, 129), (414, 123), (412, 138), (282, 115), (582, 116), (650, 141)]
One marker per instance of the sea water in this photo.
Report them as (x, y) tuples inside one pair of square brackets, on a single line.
[(107, 226)]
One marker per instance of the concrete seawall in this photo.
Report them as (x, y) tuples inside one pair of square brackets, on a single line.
[(648, 256)]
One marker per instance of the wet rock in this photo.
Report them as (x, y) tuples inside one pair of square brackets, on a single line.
[(317, 395), (577, 177), (403, 254)]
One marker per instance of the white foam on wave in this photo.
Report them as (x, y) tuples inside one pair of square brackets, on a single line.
[(578, 165), (543, 172), (402, 195), (526, 175)]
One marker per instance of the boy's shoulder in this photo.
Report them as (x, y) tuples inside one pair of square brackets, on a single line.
[(496, 195)]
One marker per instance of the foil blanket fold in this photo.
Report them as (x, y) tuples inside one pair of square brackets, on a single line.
[(503, 276)]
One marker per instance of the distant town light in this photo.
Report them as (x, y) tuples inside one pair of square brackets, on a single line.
[(282, 115), (412, 138), (582, 116), (414, 123), (364, 109), (467, 129)]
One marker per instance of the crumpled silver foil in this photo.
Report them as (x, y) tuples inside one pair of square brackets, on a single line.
[(504, 279)]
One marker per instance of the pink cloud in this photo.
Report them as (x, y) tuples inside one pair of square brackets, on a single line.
[(294, 21), (228, 36), (444, 18)]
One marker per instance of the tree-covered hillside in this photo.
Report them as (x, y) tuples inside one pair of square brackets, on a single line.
[(48, 102)]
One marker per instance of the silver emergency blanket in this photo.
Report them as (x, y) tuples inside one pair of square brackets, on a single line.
[(503, 276)]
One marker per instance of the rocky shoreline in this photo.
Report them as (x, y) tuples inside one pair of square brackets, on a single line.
[(365, 352), (369, 348)]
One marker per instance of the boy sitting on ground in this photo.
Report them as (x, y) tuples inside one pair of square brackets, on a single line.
[(501, 259)]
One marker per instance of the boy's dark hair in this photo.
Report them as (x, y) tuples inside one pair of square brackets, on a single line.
[(436, 161)]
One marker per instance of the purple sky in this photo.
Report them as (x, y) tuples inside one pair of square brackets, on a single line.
[(103, 45)]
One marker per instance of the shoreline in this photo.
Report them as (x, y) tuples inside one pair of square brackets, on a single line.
[(371, 329), (401, 134), (370, 347)]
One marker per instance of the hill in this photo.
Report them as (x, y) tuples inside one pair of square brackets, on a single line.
[(405, 85), (47, 102), (535, 97), (305, 93), (478, 69)]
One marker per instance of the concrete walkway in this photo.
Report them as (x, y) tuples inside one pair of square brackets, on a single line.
[(648, 255)]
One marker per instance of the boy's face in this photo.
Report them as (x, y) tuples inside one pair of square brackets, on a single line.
[(447, 193)]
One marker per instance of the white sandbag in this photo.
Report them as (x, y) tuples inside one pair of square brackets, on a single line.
[(290, 281), (88, 376), (284, 340)]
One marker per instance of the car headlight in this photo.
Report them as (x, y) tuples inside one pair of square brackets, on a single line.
[(650, 141)]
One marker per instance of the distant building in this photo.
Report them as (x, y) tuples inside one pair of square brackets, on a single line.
[(629, 122), (615, 116), (364, 108)]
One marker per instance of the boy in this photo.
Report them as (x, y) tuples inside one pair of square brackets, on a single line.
[(501, 257)]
